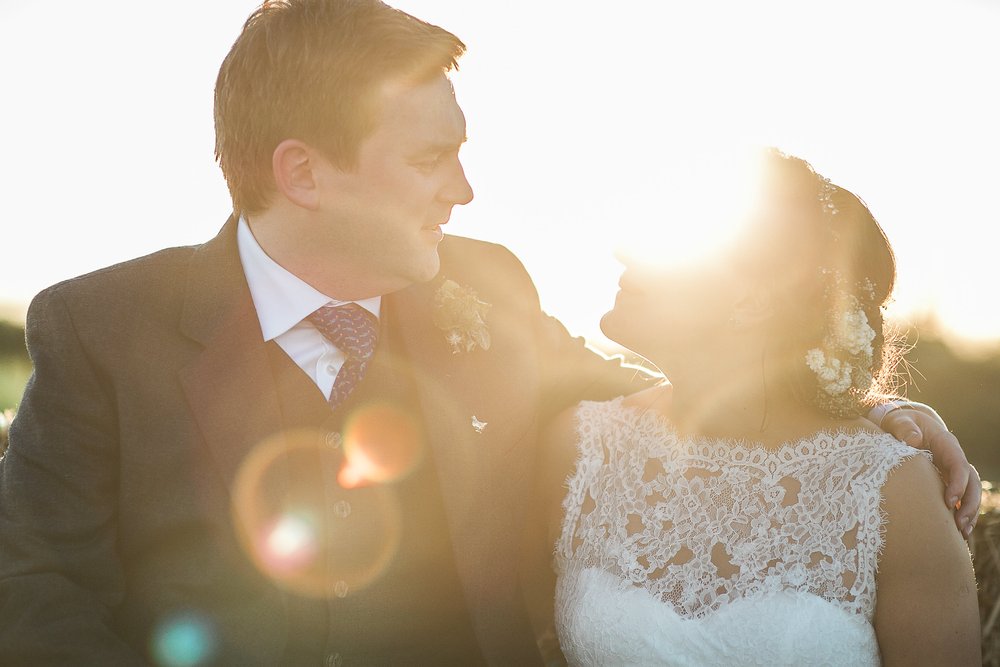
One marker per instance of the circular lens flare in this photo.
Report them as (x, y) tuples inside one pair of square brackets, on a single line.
[(304, 530), (183, 640)]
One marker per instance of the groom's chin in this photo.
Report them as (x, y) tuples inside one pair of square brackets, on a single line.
[(427, 269)]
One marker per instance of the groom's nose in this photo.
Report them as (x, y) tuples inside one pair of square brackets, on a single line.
[(457, 191)]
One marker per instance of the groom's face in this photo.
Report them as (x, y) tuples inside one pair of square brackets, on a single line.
[(385, 216)]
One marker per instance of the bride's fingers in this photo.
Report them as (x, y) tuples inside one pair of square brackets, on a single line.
[(955, 469), (948, 457), (902, 426), (971, 499)]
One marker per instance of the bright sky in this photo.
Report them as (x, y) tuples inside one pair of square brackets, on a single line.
[(578, 115)]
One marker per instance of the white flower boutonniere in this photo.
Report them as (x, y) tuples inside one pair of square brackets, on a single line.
[(462, 316), (6, 417)]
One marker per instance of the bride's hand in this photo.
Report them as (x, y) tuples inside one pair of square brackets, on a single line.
[(963, 490)]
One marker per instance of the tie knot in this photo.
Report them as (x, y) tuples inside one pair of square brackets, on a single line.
[(350, 327)]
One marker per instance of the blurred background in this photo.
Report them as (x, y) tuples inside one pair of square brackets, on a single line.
[(581, 117)]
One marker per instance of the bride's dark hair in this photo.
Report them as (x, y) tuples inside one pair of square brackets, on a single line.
[(825, 258)]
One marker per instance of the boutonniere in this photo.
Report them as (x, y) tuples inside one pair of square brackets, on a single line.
[(462, 316), (6, 417)]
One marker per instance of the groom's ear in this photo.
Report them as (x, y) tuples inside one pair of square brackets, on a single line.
[(754, 306), (294, 166)]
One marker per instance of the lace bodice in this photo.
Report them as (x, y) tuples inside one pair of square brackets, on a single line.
[(674, 547)]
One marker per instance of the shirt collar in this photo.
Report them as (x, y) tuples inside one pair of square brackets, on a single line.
[(282, 299)]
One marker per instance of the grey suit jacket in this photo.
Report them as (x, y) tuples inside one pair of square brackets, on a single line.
[(151, 385)]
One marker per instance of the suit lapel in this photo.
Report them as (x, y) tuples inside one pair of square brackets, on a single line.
[(482, 474), (449, 397), (229, 385)]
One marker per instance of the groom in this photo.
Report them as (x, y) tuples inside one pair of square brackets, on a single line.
[(309, 440)]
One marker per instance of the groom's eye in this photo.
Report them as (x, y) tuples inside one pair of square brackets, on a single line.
[(429, 164)]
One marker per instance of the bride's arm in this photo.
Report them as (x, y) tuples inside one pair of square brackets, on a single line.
[(926, 610)]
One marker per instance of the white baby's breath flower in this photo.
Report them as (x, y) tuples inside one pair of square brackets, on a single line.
[(6, 417), (815, 359), (835, 376), (852, 332), (842, 361), (842, 382)]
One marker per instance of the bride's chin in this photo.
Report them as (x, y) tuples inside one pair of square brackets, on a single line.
[(614, 328), (607, 326)]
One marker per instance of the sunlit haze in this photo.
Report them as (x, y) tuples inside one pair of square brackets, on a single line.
[(582, 119)]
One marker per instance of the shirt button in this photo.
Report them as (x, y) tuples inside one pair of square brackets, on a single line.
[(342, 508), (334, 660), (340, 589), (331, 369), (334, 439)]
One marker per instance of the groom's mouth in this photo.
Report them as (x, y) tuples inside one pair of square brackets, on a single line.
[(435, 230), (438, 225)]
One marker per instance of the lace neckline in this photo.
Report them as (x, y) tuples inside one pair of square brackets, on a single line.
[(649, 422)]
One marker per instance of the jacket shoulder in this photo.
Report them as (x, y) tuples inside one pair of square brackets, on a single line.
[(117, 302), (472, 259), (127, 281)]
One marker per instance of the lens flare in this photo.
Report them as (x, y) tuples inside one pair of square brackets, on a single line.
[(183, 640), (290, 544), (381, 444), (304, 530), (364, 538)]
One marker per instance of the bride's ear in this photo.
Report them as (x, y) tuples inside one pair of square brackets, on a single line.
[(754, 306)]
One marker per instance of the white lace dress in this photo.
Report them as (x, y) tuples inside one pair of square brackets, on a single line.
[(682, 552)]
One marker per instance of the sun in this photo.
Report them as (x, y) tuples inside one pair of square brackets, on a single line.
[(701, 208)]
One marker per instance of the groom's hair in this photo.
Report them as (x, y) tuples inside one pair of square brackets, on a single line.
[(311, 70)]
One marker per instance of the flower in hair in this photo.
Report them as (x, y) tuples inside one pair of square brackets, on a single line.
[(826, 190), (460, 313), (842, 363), (834, 375), (851, 331)]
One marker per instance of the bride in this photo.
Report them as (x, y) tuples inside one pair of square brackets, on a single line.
[(746, 514)]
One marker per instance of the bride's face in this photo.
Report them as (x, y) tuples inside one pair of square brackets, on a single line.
[(670, 315)]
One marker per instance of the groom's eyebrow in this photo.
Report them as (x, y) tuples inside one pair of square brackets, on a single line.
[(443, 146), (446, 145)]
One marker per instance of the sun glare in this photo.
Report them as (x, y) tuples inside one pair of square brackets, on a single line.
[(703, 206), (569, 150)]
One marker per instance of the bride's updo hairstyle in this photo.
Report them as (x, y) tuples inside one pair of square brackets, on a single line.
[(830, 270)]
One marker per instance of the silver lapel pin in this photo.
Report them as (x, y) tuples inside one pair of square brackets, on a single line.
[(478, 426)]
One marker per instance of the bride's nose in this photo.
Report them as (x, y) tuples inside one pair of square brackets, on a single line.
[(626, 256), (638, 258)]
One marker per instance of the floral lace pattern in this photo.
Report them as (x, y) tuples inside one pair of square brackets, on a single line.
[(700, 525)]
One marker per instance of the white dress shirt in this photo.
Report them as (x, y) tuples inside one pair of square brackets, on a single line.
[(283, 301)]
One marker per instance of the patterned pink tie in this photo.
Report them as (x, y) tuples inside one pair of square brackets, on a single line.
[(354, 331)]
